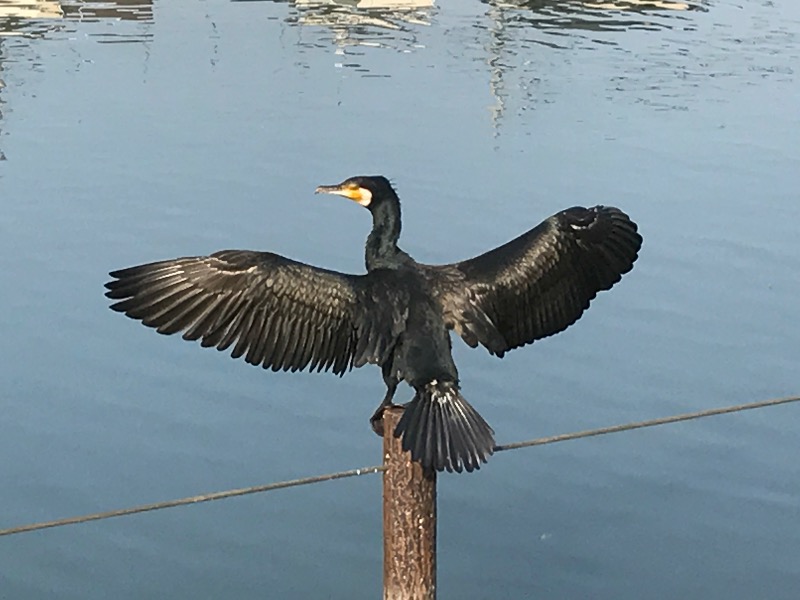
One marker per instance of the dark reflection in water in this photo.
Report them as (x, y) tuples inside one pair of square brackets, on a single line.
[(609, 15)]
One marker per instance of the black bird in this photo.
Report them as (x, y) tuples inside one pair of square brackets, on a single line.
[(287, 315)]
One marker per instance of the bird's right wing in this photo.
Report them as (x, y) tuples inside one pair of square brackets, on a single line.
[(276, 312), (539, 283)]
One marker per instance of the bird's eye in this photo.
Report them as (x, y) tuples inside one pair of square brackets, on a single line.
[(353, 186)]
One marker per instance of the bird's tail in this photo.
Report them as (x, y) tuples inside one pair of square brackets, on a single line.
[(442, 431)]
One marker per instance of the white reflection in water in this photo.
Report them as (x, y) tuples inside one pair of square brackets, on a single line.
[(354, 23), (38, 9), (48, 18)]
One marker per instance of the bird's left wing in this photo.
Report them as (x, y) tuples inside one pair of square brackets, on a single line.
[(539, 283), (274, 311)]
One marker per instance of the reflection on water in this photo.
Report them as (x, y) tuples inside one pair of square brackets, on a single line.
[(30, 9), (126, 10), (504, 36), (662, 62), (354, 22), (124, 17), (555, 16), (388, 14), (371, 23), (2, 104), (396, 24), (38, 18), (515, 28), (27, 17), (640, 4), (23, 20)]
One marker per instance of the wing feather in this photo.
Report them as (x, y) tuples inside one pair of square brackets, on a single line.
[(539, 283), (275, 312)]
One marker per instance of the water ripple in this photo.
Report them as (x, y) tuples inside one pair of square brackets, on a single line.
[(44, 18)]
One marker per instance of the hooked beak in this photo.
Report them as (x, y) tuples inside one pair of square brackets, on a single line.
[(356, 194), (329, 189)]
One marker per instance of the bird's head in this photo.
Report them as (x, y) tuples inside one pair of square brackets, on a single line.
[(367, 190)]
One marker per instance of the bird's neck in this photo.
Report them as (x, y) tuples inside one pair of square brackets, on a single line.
[(382, 250)]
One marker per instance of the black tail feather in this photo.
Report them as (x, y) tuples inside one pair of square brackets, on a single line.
[(442, 431)]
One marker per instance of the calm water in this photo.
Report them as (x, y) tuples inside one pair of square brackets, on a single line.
[(134, 131)]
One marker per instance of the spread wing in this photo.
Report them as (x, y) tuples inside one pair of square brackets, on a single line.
[(274, 311), (539, 283)]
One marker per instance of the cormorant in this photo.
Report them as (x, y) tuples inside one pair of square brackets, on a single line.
[(287, 315)]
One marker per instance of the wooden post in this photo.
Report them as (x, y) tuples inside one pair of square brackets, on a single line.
[(409, 521)]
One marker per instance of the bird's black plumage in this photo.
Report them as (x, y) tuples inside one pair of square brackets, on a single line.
[(282, 314)]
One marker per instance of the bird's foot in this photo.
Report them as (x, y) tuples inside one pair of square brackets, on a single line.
[(376, 420)]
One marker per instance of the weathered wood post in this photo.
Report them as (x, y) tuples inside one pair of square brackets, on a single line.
[(409, 521)]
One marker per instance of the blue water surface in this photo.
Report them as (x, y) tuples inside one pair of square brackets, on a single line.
[(134, 131)]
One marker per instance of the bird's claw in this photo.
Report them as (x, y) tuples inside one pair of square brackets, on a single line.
[(376, 420)]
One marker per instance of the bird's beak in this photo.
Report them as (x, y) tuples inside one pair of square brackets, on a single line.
[(359, 195), (329, 189)]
